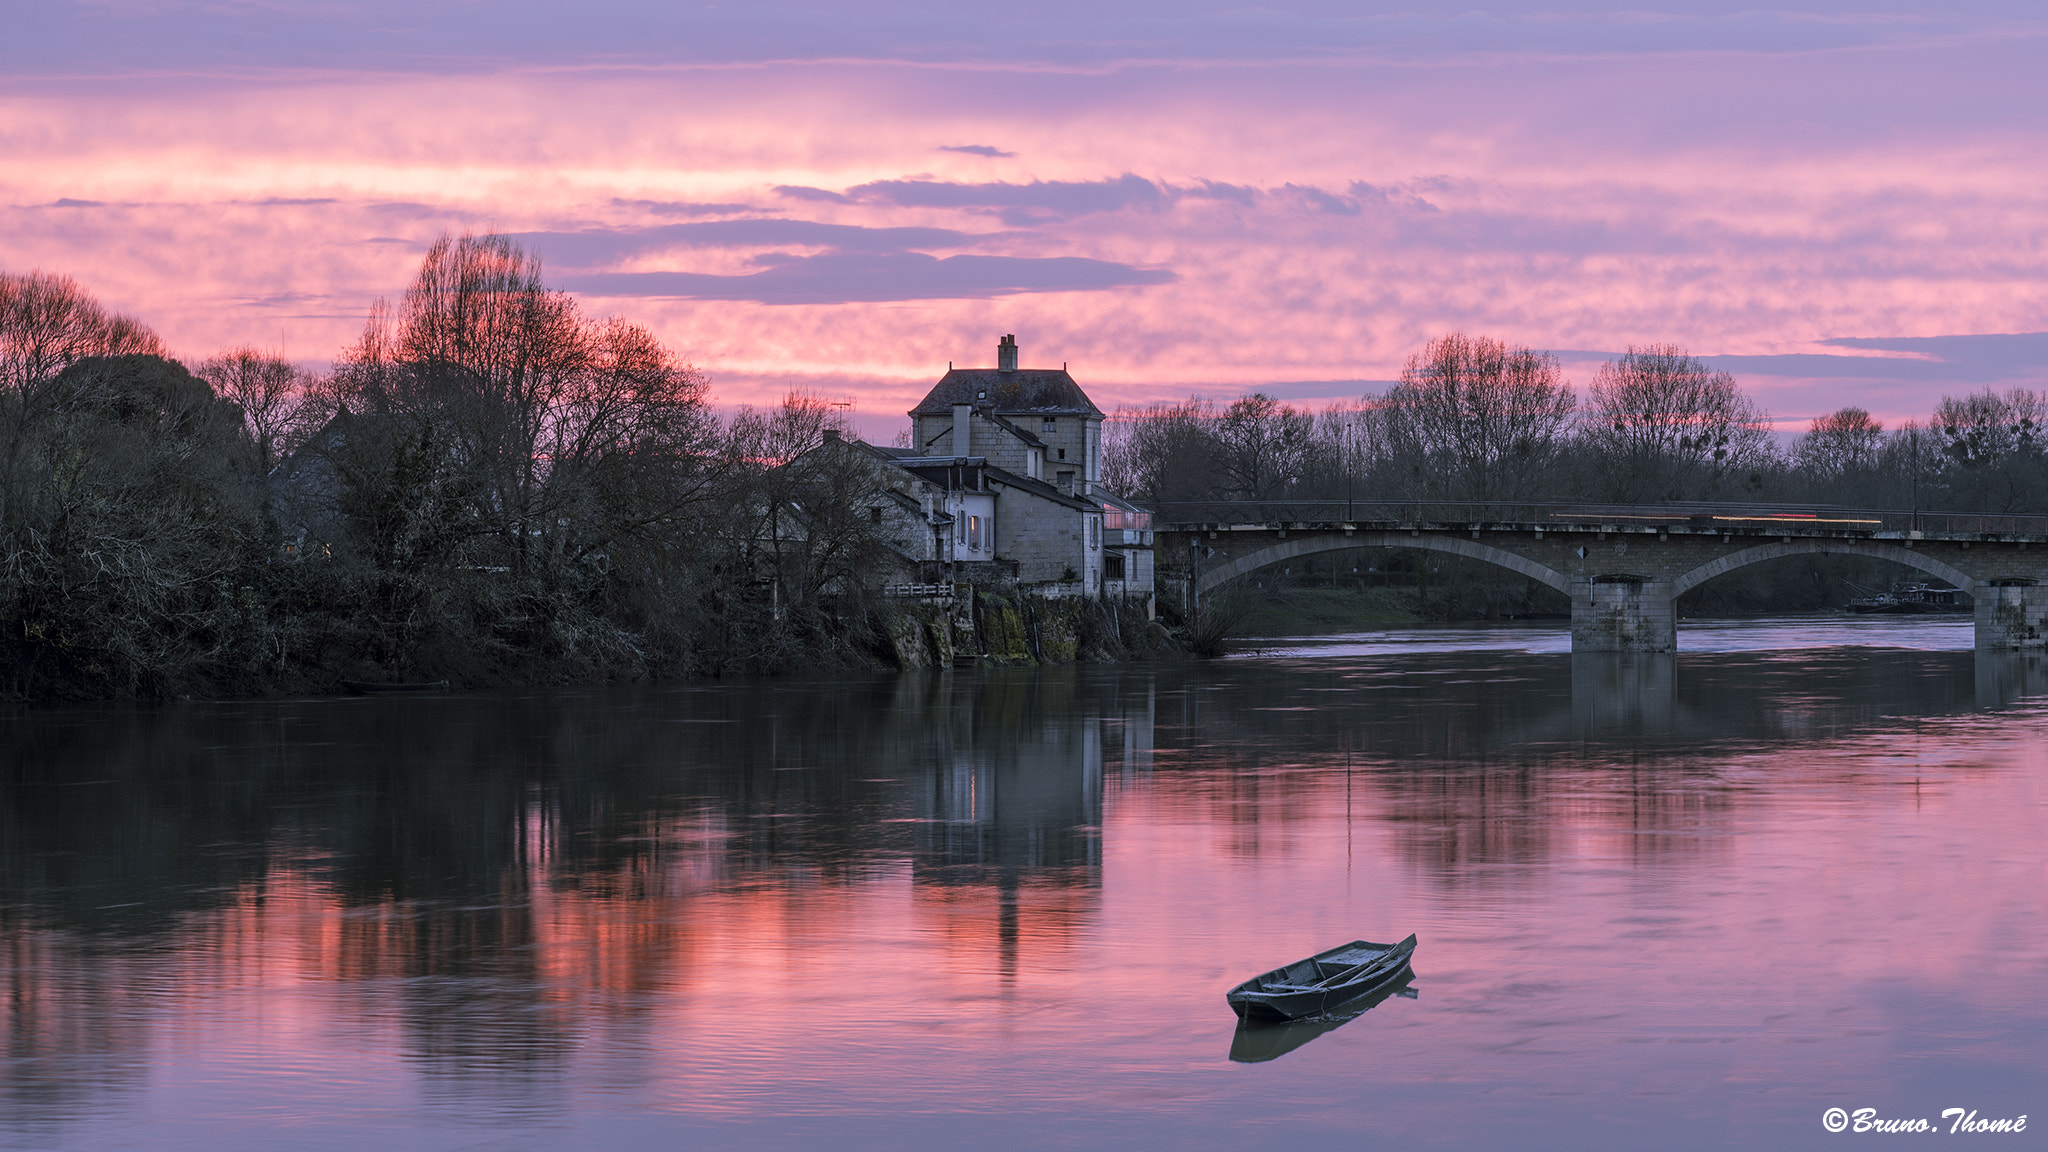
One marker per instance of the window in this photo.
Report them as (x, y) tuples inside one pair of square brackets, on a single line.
[(1051, 424), (1112, 567), (1094, 532), (1063, 453), (974, 533), (875, 514)]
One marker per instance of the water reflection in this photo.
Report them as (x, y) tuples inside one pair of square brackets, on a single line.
[(492, 875), (1623, 695), (927, 893), (1257, 1041), (2004, 678)]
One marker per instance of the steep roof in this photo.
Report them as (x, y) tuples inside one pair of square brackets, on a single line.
[(1041, 489), (1022, 390)]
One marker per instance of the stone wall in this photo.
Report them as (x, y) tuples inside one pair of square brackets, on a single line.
[(1045, 539), (981, 625), (2012, 617)]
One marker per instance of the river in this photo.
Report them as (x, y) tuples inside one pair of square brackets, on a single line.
[(1672, 903)]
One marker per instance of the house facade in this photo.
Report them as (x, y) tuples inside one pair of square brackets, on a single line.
[(1002, 479)]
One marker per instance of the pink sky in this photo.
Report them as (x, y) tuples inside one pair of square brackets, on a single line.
[(1172, 200)]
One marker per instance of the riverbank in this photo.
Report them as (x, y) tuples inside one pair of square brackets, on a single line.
[(324, 644)]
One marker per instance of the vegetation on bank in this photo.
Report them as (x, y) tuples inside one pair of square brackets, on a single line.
[(490, 487), (1472, 419)]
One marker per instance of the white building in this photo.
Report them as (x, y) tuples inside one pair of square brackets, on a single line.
[(1003, 478)]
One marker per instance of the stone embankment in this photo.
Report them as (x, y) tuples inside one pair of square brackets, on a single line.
[(972, 625)]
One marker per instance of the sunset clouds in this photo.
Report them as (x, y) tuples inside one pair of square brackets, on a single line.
[(1845, 206)]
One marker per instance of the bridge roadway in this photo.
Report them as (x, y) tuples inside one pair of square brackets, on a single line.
[(1625, 566)]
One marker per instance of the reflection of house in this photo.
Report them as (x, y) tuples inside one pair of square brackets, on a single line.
[(1003, 478), (1031, 804)]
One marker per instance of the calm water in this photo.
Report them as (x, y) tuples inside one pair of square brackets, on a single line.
[(1676, 903)]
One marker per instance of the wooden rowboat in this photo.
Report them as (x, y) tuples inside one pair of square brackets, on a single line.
[(1257, 1041), (1321, 982)]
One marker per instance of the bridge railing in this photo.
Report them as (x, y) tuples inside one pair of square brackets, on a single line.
[(1698, 515)]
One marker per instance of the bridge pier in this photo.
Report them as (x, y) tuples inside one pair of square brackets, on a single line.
[(2011, 615), (1624, 614)]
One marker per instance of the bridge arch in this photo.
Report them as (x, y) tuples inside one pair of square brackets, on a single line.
[(1309, 545), (1877, 550)]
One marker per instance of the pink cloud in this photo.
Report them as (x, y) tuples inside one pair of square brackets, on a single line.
[(1238, 226)]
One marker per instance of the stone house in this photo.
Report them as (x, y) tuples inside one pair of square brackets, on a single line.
[(1002, 480)]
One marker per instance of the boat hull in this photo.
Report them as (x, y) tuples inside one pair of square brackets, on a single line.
[(1304, 988), (1256, 1040)]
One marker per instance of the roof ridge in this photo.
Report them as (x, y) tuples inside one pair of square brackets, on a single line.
[(1047, 390)]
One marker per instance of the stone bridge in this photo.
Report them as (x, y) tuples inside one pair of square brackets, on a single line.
[(1624, 566)]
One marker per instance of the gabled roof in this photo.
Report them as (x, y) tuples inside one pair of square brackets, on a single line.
[(911, 462), (1041, 489), (1029, 439), (1047, 391)]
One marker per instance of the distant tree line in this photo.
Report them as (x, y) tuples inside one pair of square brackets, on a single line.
[(1474, 419), (489, 484)]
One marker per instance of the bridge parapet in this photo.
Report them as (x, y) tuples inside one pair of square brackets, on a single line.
[(1624, 566), (1696, 518)]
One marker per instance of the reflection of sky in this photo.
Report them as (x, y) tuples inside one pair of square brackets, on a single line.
[(1839, 201), (1816, 884)]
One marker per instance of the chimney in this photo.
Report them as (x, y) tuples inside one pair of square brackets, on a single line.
[(831, 433), (963, 415), (1006, 354)]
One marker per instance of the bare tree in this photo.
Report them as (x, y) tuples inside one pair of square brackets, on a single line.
[(1473, 419), (1993, 450), (795, 550), (271, 392), (781, 434), (1161, 452), (48, 323), (522, 424), (1839, 457), (1842, 442), (1264, 448), (1665, 426)]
